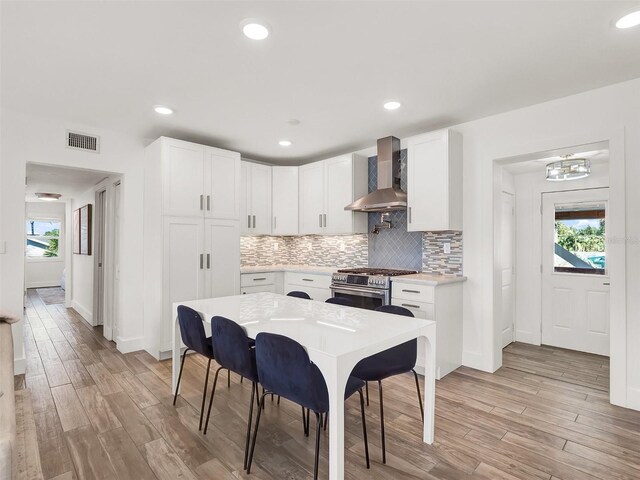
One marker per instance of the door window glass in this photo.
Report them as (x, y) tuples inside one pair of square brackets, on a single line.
[(580, 245)]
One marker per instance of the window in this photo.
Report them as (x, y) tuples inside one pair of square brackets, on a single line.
[(580, 239), (43, 238)]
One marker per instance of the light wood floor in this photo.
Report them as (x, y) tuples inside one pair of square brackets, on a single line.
[(86, 411)]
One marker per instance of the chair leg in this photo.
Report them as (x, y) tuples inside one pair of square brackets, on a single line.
[(305, 422), (318, 428), (384, 453), (419, 396), (364, 429), (175, 395), (228, 378), (366, 386), (213, 391), (326, 420), (255, 387), (246, 445), (255, 433), (204, 394)]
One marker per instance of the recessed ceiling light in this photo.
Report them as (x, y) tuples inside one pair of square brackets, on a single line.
[(48, 197), (254, 29), (392, 105), (163, 110), (284, 143), (629, 20)]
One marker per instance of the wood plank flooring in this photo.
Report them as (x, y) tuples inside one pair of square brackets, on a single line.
[(86, 411)]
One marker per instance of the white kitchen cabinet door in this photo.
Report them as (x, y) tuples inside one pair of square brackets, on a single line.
[(183, 257), (338, 194), (260, 193), (222, 184), (311, 198), (284, 195), (182, 178), (222, 258), (434, 187)]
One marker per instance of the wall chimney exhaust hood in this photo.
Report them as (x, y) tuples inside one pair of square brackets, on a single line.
[(388, 196)]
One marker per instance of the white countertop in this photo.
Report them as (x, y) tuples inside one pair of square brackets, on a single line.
[(290, 268), (428, 279)]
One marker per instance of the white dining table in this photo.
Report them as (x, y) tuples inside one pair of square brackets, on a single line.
[(336, 338)]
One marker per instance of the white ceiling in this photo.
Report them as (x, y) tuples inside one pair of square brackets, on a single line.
[(329, 64), (69, 182)]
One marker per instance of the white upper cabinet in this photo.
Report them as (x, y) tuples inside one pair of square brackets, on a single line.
[(221, 184), (434, 187), (182, 167), (284, 195), (328, 186), (255, 199), (199, 181), (311, 198)]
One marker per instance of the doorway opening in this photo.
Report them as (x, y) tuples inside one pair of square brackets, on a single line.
[(71, 241), (557, 271)]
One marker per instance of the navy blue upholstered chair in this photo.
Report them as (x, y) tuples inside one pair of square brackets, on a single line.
[(340, 301), (234, 352), (195, 338), (394, 361), (284, 368), (299, 294)]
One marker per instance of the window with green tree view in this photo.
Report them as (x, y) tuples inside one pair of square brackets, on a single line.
[(580, 244), (43, 238)]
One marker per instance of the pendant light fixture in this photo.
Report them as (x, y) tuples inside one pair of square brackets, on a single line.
[(568, 169)]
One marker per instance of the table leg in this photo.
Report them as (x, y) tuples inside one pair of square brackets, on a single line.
[(175, 364), (336, 383), (429, 389)]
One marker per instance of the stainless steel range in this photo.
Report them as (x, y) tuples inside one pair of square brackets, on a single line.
[(367, 288)]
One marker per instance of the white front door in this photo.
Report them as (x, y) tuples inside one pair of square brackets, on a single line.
[(507, 243), (575, 282)]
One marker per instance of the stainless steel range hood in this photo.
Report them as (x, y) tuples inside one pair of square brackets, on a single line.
[(388, 196)]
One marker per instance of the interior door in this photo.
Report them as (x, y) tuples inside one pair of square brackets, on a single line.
[(99, 259), (222, 258), (575, 283), (507, 243), (222, 184)]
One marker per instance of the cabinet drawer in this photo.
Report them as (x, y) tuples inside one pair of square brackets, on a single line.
[(422, 310), (412, 291), (308, 280), (258, 289), (257, 279)]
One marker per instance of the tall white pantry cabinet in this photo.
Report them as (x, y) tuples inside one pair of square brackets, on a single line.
[(191, 231)]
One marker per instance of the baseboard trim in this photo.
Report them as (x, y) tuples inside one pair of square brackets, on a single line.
[(126, 345), (83, 311), (527, 337), (51, 283), (633, 398), (19, 365), (474, 360)]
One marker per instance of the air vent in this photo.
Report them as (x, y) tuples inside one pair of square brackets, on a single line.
[(82, 141)]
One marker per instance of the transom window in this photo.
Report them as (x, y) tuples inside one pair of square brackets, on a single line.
[(580, 245), (43, 238)]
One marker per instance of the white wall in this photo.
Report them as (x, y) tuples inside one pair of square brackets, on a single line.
[(46, 272), (529, 188), (82, 265), (26, 138), (597, 115)]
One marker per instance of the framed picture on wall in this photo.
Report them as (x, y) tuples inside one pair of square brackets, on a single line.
[(85, 230), (76, 231)]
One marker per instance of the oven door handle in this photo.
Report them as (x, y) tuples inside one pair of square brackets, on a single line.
[(354, 291)]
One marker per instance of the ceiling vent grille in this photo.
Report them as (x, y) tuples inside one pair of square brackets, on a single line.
[(82, 141)]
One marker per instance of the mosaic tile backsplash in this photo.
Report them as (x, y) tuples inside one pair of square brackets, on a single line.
[(313, 250), (434, 260)]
